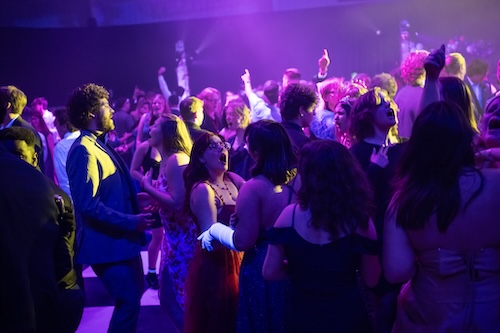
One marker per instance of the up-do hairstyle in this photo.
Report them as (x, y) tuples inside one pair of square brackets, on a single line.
[(362, 114), (334, 188), (276, 158), (427, 177), (293, 98), (84, 103)]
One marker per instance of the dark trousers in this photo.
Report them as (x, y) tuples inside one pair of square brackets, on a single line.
[(124, 280), (168, 300)]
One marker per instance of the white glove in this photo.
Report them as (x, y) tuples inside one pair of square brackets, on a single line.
[(206, 240), (223, 234)]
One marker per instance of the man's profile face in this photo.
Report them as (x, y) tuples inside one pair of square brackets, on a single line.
[(104, 116), (25, 152)]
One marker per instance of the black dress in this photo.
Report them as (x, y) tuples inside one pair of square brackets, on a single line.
[(326, 294)]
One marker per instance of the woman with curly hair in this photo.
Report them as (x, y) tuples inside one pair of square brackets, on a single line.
[(324, 241)]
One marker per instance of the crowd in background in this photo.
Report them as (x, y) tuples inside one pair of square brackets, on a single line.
[(326, 205)]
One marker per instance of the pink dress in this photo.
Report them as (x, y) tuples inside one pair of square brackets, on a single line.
[(179, 244)]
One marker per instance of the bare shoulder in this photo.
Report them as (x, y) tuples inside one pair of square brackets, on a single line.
[(286, 217), (143, 147), (178, 159), (237, 180), (200, 190)]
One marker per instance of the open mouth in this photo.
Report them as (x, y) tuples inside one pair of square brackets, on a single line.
[(223, 158), (390, 113), (494, 124), (230, 124)]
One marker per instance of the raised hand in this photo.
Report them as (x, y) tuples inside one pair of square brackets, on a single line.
[(324, 62), (380, 158), (246, 77), (161, 70), (434, 63)]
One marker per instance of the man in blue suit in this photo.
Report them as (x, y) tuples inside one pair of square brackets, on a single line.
[(110, 232)]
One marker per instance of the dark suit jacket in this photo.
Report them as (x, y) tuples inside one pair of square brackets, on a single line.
[(195, 131), (479, 105), (105, 203), (20, 122), (28, 235)]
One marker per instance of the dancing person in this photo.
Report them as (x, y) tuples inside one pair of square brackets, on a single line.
[(260, 201), (170, 137), (437, 233), (110, 230), (324, 242), (159, 106), (212, 285)]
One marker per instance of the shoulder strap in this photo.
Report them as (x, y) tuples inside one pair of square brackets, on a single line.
[(292, 191), (293, 216)]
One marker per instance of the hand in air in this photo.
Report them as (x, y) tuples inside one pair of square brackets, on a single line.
[(206, 240), (434, 63), (380, 158), (324, 62), (246, 77), (161, 70)]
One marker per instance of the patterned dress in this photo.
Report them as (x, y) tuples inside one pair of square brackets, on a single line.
[(179, 244)]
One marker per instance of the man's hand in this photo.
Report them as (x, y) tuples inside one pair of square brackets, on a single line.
[(144, 222), (434, 63), (324, 62)]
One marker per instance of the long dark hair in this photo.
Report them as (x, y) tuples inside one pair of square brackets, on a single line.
[(276, 159), (427, 177), (334, 188)]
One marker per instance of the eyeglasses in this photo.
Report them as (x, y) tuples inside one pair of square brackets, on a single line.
[(219, 145)]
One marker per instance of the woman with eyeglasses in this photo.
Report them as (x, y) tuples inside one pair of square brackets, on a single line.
[(212, 285)]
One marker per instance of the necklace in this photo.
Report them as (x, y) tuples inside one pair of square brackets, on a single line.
[(226, 188)]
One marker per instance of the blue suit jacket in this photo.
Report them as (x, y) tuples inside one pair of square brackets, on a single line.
[(105, 203)]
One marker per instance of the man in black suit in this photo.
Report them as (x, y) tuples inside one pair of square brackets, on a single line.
[(29, 300), (191, 109), (15, 101), (21, 142)]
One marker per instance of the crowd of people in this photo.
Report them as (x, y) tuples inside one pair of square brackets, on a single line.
[(323, 205)]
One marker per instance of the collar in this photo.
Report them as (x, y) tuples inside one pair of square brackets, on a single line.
[(10, 122)]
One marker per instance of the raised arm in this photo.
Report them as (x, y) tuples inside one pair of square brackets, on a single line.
[(433, 65), (163, 84)]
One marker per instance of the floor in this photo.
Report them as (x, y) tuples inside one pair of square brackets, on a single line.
[(99, 306)]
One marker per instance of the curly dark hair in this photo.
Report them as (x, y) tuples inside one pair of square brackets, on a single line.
[(294, 97), (276, 159), (427, 177), (84, 102), (334, 188)]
